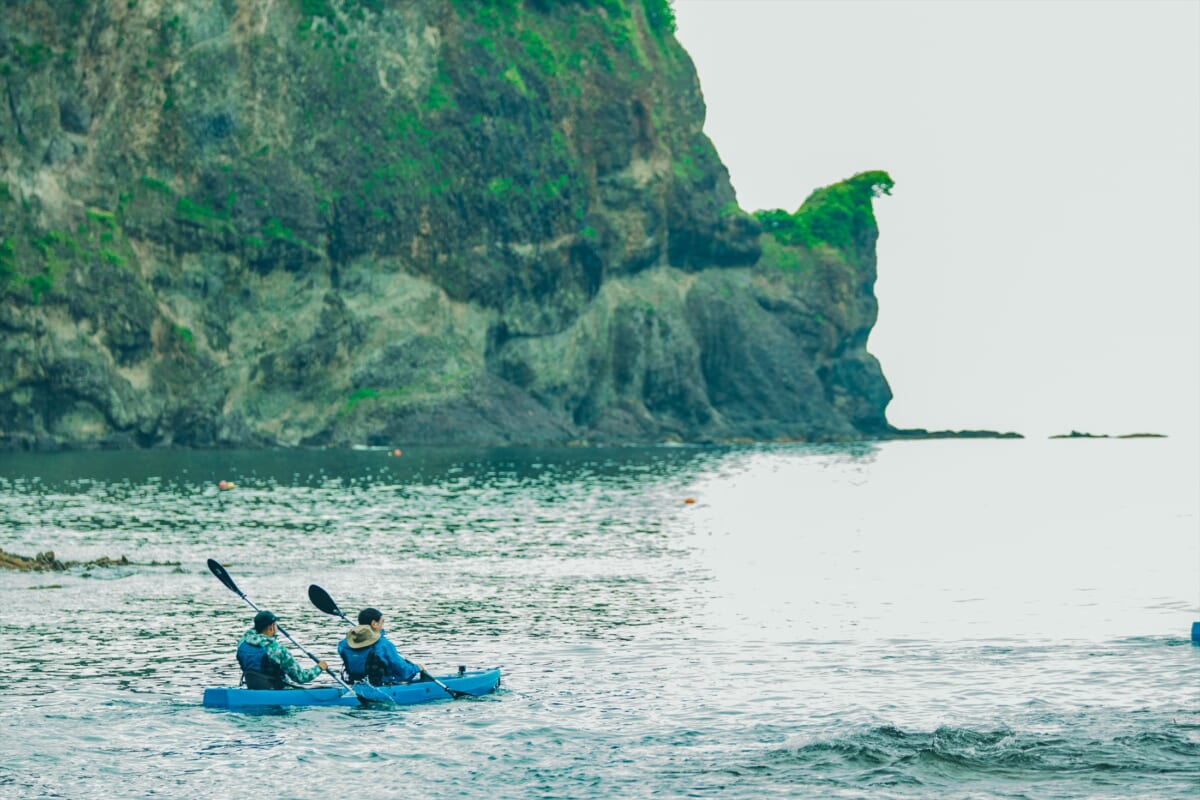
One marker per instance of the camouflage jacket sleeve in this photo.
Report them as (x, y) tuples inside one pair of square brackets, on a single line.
[(280, 655)]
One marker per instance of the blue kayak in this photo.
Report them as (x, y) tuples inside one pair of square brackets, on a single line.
[(477, 683)]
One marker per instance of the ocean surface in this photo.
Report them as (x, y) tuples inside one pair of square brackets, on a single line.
[(923, 619)]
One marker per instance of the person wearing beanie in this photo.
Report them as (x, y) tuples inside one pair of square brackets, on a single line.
[(368, 654), (265, 662)]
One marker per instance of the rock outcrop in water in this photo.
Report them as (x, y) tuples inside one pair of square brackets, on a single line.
[(1078, 435), (333, 222), (47, 562)]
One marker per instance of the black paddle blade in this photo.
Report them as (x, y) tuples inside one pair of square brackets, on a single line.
[(321, 599), (223, 576)]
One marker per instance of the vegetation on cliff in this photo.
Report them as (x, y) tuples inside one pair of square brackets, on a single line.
[(840, 217)]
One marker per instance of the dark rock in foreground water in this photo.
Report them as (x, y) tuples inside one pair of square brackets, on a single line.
[(48, 562)]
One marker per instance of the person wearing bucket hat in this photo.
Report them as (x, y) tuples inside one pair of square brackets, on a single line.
[(368, 654), (265, 662)]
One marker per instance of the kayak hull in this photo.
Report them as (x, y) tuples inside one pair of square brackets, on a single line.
[(476, 683)]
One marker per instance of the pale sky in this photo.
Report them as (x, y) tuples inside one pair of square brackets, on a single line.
[(1039, 260)]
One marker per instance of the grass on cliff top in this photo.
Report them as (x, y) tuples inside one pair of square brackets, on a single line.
[(659, 14), (833, 215)]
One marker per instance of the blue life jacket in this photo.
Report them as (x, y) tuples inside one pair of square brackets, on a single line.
[(363, 664), (259, 671)]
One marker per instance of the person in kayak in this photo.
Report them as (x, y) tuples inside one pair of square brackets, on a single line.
[(368, 655), (265, 662)]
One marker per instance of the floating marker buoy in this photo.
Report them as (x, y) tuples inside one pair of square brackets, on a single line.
[(689, 501), (225, 485), (396, 452)]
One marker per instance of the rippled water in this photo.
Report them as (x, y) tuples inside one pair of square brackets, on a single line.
[(983, 619)]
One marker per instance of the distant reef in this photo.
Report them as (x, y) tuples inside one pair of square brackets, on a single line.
[(921, 433), (1078, 435), (343, 222)]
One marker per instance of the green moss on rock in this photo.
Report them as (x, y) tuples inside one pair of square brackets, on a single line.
[(836, 216)]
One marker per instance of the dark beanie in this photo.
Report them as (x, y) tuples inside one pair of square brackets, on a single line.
[(263, 620)]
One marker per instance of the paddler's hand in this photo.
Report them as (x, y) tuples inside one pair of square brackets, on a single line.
[(324, 667)]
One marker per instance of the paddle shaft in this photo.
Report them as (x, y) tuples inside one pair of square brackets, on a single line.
[(224, 577), (325, 602)]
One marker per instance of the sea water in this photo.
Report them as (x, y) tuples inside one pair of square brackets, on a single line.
[(951, 619)]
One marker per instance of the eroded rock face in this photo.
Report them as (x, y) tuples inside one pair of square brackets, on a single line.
[(350, 222)]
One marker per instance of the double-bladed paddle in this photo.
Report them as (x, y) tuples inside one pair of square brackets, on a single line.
[(223, 576), (323, 601)]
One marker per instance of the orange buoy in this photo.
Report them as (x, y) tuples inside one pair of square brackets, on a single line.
[(225, 485), (689, 501), (396, 452)]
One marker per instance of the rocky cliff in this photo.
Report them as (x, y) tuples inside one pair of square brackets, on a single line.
[(336, 222)]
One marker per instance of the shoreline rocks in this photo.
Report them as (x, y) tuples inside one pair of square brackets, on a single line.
[(48, 562)]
